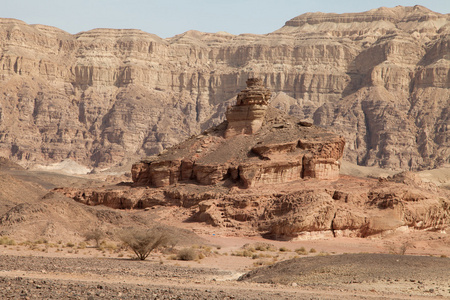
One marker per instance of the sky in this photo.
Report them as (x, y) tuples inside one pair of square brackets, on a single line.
[(167, 18)]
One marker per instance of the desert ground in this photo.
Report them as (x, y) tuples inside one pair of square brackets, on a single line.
[(227, 263)]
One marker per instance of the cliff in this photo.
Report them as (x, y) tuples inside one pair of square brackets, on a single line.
[(106, 97)]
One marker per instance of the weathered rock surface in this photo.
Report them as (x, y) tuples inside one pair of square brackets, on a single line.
[(257, 144), (103, 97), (349, 206)]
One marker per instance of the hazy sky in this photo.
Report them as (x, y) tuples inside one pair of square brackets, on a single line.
[(167, 18)]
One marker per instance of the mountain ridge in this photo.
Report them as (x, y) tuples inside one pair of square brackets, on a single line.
[(108, 96)]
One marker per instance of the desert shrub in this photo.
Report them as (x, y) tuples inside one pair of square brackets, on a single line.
[(70, 245), (403, 247), (107, 246), (301, 251), (143, 241), (392, 248), (244, 253), (41, 241), (262, 263), (4, 240), (264, 247), (312, 250), (187, 254), (261, 255), (283, 249), (204, 251), (95, 235)]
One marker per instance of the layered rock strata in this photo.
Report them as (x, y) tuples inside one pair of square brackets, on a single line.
[(247, 115), (349, 206), (379, 78), (249, 148)]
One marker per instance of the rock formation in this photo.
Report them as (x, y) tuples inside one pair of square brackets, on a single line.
[(348, 206), (105, 97), (264, 172), (256, 144), (247, 115)]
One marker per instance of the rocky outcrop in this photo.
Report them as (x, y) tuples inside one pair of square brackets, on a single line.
[(248, 148), (247, 116), (348, 206), (106, 97)]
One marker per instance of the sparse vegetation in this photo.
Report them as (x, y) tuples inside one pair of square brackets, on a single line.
[(96, 235), (261, 262), (393, 249), (4, 240), (301, 251), (187, 254), (264, 247), (244, 253), (261, 255), (143, 241), (283, 249), (107, 246), (193, 253)]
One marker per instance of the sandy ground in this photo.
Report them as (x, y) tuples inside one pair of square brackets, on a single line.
[(56, 271)]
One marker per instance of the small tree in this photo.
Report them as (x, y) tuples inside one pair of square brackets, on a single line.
[(143, 241), (97, 235)]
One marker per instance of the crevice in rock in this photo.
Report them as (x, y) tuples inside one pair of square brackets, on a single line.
[(367, 136), (332, 226)]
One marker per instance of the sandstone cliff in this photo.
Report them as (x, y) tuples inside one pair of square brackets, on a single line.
[(104, 97)]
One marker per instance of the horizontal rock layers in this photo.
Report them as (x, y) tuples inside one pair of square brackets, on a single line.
[(250, 148), (348, 206), (105, 97)]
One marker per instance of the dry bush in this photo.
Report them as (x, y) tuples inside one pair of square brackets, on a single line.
[(392, 247), (4, 240), (260, 246), (96, 235), (301, 251), (143, 241), (403, 247), (187, 254), (244, 253)]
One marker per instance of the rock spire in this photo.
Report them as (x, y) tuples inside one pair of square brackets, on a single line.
[(247, 115)]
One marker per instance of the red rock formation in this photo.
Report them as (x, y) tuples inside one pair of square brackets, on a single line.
[(247, 115), (249, 148), (348, 206)]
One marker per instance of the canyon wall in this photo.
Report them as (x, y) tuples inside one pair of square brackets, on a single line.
[(107, 97)]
